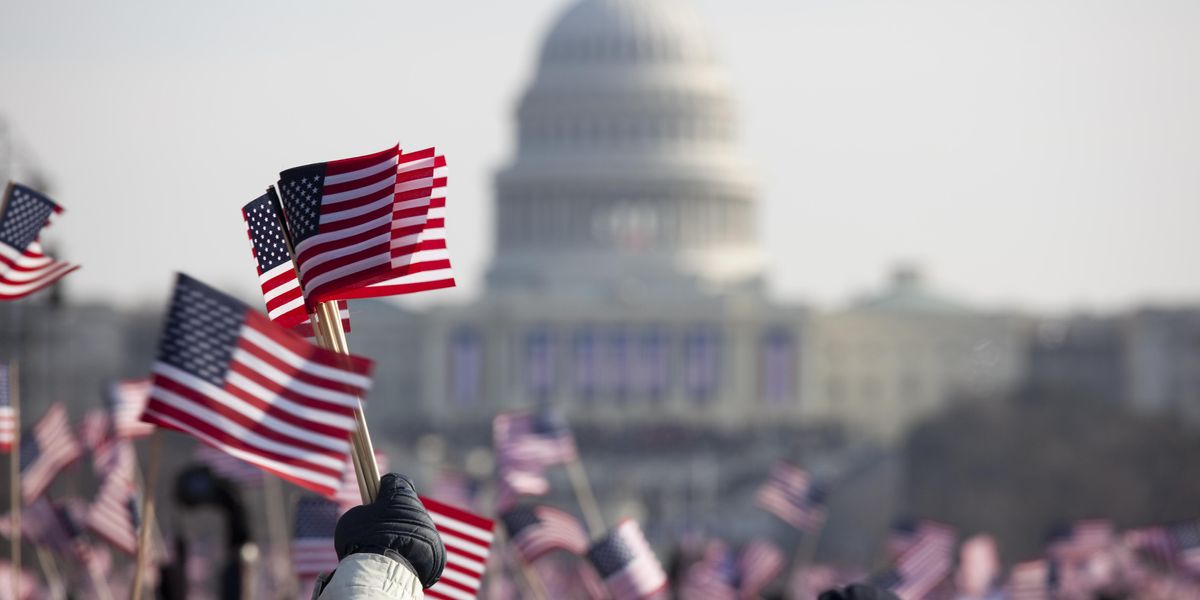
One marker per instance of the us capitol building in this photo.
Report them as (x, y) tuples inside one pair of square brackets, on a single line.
[(628, 280)]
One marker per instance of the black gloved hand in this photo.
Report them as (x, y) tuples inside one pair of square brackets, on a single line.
[(858, 591), (395, 525)]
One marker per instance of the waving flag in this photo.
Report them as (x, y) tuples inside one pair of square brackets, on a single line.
[(312, 543), (924, 564), (468, 540), (1030, 581), (790, 495), (536, 530), (759, 563), (127, 399), (114, 514), (93, 429), (24, 269), (51, 447), (533, 438), (361, 222), (276, 271), (229, 467), (8, 415), (627, 564), (231, 378), (712, 577)]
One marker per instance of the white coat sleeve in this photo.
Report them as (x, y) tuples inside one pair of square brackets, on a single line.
[(371, 577)]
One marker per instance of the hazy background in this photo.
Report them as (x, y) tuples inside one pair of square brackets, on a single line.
[(1033, 153)]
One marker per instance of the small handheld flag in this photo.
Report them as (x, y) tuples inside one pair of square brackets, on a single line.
[(236, 381), (24, 268)]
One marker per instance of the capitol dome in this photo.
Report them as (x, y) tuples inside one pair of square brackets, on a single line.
[(627, 173)]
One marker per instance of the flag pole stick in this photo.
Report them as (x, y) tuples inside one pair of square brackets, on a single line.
[(279, 557), (143, 547), (364, 454), (14, 467), (327, 325), (533, 580), (54, 577), (585, 497)]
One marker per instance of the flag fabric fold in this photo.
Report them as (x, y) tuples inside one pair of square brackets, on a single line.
[(790, 495), (627, 564), (313, 552), (537, 530), (127, 401), (276, 270), (362, 226), (468, 539), (238, 382), (114, 514), (24, 267), (45, 451)]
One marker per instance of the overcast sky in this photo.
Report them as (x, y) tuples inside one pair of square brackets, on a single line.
[(1033, 153)]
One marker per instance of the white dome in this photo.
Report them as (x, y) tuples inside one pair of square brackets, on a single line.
[(627, 172), (598, 31)]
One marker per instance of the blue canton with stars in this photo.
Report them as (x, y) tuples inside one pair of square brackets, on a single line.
[(25, 213), (266, 233), (517, 519), (316, 517), (201, 331), (610, 555), (301, 189), (30, 451)]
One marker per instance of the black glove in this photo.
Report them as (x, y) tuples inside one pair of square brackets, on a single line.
[(858, 591), (395, 525)]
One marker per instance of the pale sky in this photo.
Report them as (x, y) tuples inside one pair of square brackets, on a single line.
[(1028, 153)]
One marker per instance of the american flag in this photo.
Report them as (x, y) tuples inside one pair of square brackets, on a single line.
[(712, 577), (627, 564), (313, 552), (1029, 580), (536, 530), (359, 225), (533, 438), (468, 540), (1153, 541), (514, 481), (97, 560), (276, 271), (759, 563), (790, 495), (24, 268), (127, 399), (924, 564), (93, 429), (51, 447), (1082, 540), (8, 415), (114, 514), (238, 382)]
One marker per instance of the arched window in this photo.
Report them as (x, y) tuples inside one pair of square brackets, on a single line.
[(466, 368), (702, 362), (777, 366)]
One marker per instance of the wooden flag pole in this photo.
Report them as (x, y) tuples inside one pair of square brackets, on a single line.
[(330, 322), (585, 497), (14, 482), (54, 578), (143, 547), (327, 325)]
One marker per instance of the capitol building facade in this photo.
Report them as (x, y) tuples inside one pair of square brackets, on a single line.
[(628, 282)]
